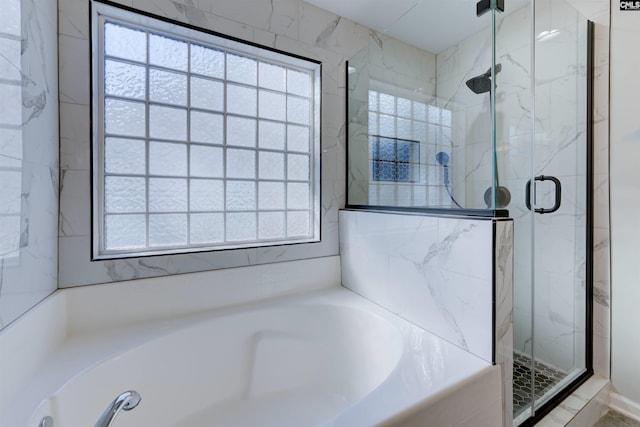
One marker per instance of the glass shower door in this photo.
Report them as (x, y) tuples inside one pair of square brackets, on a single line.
[(552, 278)]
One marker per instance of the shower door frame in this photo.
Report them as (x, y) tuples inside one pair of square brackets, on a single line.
[(539, 412)]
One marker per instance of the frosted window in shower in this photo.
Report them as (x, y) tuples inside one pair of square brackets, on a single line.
[(201, 142), (405, 133)]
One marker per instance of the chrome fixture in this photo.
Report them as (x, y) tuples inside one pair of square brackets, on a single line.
[(126, 401), (46, 422)]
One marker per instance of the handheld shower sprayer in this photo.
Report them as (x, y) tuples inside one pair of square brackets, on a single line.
[(443, 159)]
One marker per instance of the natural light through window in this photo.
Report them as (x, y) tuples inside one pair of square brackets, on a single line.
[(201, 142)]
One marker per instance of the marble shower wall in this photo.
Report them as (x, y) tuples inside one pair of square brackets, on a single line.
[(599, 12), (288, 25), (28, 155), (436, 272)]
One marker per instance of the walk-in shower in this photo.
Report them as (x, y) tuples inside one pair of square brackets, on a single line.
[(471, 114)]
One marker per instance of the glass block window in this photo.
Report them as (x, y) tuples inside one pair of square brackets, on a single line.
[(406, 130), (201, 142), (394, 160)]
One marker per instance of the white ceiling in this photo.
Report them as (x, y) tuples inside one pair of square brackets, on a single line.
[(432, 25)]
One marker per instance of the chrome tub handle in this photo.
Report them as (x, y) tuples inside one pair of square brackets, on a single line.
[(126, 402)]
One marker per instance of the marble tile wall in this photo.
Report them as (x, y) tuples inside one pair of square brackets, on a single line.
[(289, 25), (599, 12), (434, 271), (28, 155), (503, 277)]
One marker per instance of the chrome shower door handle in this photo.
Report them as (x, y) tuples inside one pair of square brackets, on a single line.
[(558, 194)]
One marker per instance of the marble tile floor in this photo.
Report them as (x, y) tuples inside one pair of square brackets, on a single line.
[(615, 419), (545, 378)]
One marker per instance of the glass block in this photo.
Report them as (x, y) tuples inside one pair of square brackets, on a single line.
[(271, 225), (385, 171), (241, 196), (446, 136), (434, 114), (124, 194), (373, 100), (167, 159), (126, 80), (168, 123), (298, 138), (298, 224), (403, 128), (387, 126), (298, 83), (167, 195), (298, 195), (298, 110), (297, 167), (373, 147), (241, 131), (206, 195), (207, 94), (241, 69), (167, 52), (272, 76), (386, 149), (419, 111), (373, 123), (167, 87), (271, 165), (403, 151), (124, 117), (206, 162), (206, 228), (387, 104), (270, 195), (125, 43), (272, 105), (241, 163), (433, 135), (446, 117), (125, 232), (402, 173), (167, 230), (241, 100), (207, 127), (420, 131), (404, 107), (124, 156), (241, 226), (207, 61), (271, 135)]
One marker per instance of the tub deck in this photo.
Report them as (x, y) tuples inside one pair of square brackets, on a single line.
[(363, 366)]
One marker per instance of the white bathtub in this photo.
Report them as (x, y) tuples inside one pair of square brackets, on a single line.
[(329, 358)]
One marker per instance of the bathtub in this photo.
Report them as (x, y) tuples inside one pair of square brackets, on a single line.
[(325, 358)]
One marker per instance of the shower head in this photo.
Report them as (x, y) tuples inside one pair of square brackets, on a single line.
[(482, 83), (442, 158)]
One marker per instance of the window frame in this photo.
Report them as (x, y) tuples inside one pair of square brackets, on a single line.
[(101, 13)]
